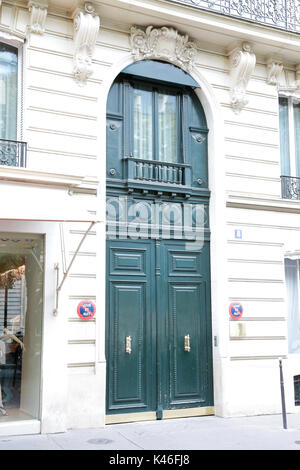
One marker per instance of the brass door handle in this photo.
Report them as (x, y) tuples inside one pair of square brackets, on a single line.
[(187, 343), (128, 344)]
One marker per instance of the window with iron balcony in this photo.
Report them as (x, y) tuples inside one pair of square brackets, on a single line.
[(289, 120), (12, 151)]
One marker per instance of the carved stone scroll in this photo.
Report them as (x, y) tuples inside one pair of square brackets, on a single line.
[(242, 64), (86, 28), (163, 44)]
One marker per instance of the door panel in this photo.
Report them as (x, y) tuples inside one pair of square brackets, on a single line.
[(185, 361), (185, 287), (129, 348)]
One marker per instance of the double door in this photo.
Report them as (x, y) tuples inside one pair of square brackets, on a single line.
[(158, 327)]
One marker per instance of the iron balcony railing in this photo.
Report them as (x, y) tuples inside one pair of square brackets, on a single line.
[(290, 187), (13, 153), (283, 14)]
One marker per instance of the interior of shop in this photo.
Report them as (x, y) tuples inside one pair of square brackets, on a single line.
[(21, 307)]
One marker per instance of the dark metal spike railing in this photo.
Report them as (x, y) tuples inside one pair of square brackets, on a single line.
[(13, 153), (283, 14)]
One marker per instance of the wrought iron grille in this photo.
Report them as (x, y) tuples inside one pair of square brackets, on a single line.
[(283, 14), (13, 153), (297, 389), (290, 187)]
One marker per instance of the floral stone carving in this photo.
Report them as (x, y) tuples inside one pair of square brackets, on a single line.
[(163, 44)]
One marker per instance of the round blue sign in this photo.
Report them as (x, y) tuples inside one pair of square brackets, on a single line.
[(86, 309), (236, 310)]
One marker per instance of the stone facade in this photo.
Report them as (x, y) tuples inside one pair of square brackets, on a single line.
[(70, 53)]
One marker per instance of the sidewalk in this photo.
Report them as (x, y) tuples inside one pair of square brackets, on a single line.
[(203, 433)]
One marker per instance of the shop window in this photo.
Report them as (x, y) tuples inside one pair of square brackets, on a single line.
[(292, 279), (289, 120), (12, 151), (21, 306)]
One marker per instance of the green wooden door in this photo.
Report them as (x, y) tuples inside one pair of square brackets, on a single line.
[(130, 327), (158, 326), (184, 309)]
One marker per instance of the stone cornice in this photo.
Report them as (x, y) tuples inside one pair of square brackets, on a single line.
[(264, 203), (25, 175)]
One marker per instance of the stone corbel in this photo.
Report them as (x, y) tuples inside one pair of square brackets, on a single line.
[(242, 64), (38, 13), (274, 69), (86, 28), (163, 43)]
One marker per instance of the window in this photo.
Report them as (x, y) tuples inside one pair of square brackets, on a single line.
[(292, 278), (8, 91), (12, 151), (289, 120), (156, 131), (155, 125)]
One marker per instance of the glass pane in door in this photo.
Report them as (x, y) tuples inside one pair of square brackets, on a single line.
[(142, 124), (167, 128)]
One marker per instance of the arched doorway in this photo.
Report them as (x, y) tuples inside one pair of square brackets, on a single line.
[(158, 319)]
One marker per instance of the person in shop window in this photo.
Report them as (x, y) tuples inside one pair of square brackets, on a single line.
[(7, 359)]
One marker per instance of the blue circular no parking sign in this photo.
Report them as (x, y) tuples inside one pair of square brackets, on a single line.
[(236, 310)]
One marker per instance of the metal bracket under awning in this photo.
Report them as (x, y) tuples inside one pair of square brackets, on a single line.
[(66, 270)]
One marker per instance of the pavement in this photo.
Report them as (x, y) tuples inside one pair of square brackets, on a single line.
[(200, 433)]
